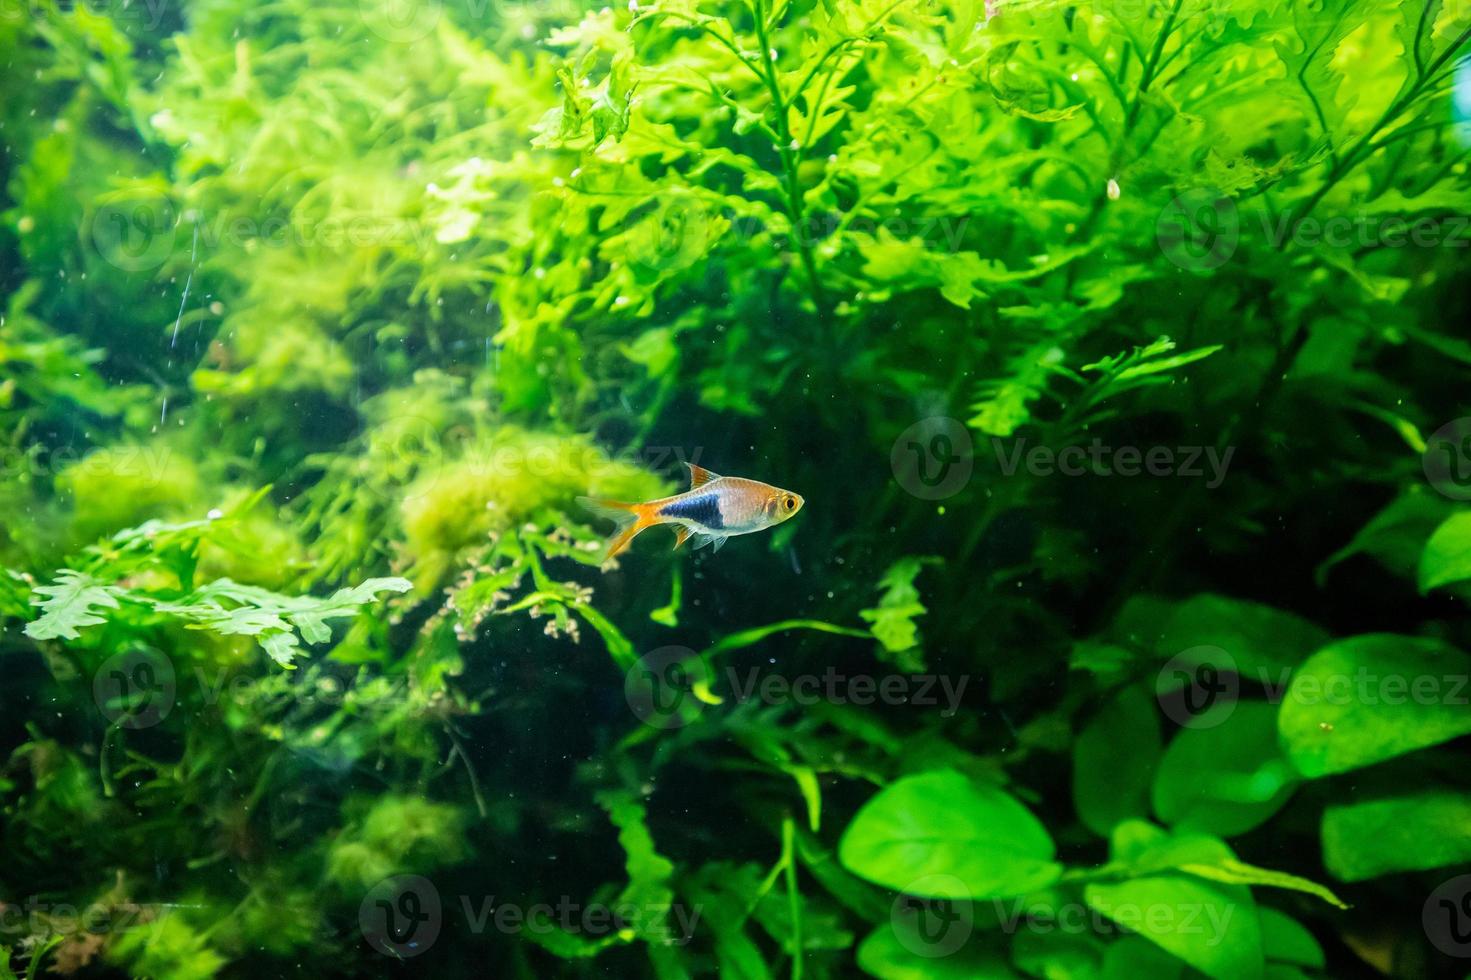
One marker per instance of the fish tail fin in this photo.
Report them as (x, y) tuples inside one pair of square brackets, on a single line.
[(629, 519)]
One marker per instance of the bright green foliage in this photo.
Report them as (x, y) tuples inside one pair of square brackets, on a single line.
[(1225, 779), (893, 619), (79, 599), (318, 315), (939, 835), (1447, 555), (1369, 698), (1399, 833), (1222, 937), (1114, 760), (391, 834)]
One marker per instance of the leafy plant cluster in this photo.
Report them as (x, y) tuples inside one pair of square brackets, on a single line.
[(318, 320)]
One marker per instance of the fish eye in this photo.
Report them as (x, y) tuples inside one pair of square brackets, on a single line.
[(790, 503)]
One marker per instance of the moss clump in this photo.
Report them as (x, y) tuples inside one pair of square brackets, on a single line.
[(393, 833), (502, 481), (125, 485)]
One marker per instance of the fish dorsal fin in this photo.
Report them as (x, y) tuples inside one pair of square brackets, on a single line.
[(699, 476), (681, 535)]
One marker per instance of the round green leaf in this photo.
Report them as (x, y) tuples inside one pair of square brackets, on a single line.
[(1133, 956), (976, 840), (1211, 925), (1063, 953), (890, 955), (1285, 940), (1369, 698), (1227, 779), (1263, 641), (1447, 555), (1406, 833), (1114, 759)]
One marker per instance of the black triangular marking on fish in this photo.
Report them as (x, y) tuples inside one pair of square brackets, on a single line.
[(702, 508), (699, 476)]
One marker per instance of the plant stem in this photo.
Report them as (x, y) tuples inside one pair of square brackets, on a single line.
[(791, 158), (1352, 158), (794, 897)]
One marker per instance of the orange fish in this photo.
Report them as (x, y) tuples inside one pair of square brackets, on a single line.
[(714, 508)]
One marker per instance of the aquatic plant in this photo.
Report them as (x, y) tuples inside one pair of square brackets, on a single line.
[(1111, 345)]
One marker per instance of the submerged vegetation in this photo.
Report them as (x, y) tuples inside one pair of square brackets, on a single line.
[(1112, 347)]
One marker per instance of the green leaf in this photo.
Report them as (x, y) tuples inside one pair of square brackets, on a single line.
[(1285, 940), (649, 871), (15, 595), (1162, 364), (71, 605), (969, 840), (725, 894), (1225, 779), (1395, 537), (1114, 758), (1028, 90), (1003, 405), (893, 619), (1235, 872), (1369, 698), (1211, 925), (1057, 954), (1447, 555), (894, 952), (1262, 641), (222, 606), (1363, 840), (1133, 957), (233, 609)]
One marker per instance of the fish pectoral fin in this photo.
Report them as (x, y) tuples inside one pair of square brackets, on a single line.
[(713, 540), (681, 535), (699, 476)]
